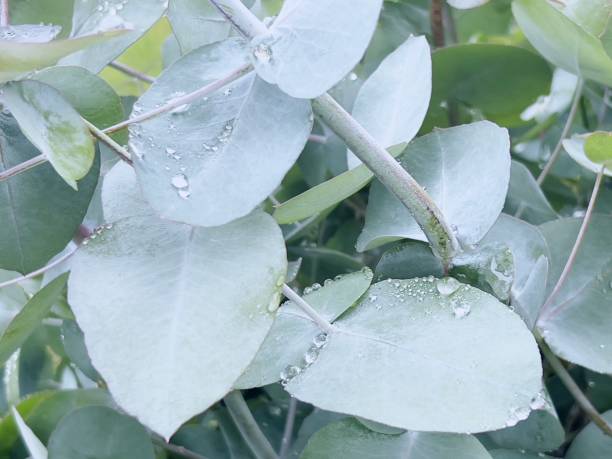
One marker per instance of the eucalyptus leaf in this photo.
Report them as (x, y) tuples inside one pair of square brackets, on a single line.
[(53, 126), (575, 147), (525, 198), (100, 432), (577, 323), (135, 17), (18, 58), (199, 289), (216, 159), (443, 162), (313, 44), (196, 23), (591, 442), (347, 438), (35, 229), (30, 317), (598, 147), (392, 103), (291, 336), (562, 41), (405, 357)]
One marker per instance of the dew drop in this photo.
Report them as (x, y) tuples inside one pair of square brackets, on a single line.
[(320, 340), (290, 372), (447, 286), (353, 76), (461, 308), (262, 53), (311, 355), (180, 182)]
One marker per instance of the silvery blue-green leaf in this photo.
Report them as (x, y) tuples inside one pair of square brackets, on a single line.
[(558, 100), (216, 159), (408, 259), (74, 345), (99, 432), (465, 4), (407, 356), (152, 297), (562, 41), (577, 324), (541, 431), (575, 148), (525, 197), (348, 438), (29, 33), (530, 256), (393, 101), (33, 230), (591, 442), (35, 447), (291, 337), (445, 162), (92, 16), (313, 44), (53, 126), (196, 23), (18, 57), (121, 195)]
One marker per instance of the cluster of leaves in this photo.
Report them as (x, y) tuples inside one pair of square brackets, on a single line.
[(140, 285)]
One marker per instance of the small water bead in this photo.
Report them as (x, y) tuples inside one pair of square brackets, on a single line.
[(228, 92), (311, 355), (373, 298), (461, 308), (538, 402), (180, 109), (447, 286), (262, 53), (180, 182), (320, 340), (352, 76), (290, 372)]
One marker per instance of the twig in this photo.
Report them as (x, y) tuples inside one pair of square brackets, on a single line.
[(183, 100), (4, 13), (437, 23), (566, 129), (39, 271), (250, 431), (100, 135), (569, 264), (364, 146), (288, 432), (573, 388), (309, 310), (22, 167), (176, 449), (132, 72)]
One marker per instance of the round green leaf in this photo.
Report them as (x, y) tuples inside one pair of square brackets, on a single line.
[(393, 101), (313, 44), (410, 355), (149, 314), (35, 229), (99, 432), (53, 126), (213, 161), (577, 324), (576, 148), (445, 162), (598, 147), (348, 438)]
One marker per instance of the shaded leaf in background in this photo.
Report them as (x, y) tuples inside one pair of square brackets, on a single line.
[(598, 147), (575, 147), (591, 442), (33, 229), (525, 198)]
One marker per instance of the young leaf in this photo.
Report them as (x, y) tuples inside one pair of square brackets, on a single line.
[(406, 356), (100, 432), (313, 44), (35, 447), (598, 147), (444, 163), (562, 41), (591, 442), (327, 194), (576, 148), (393, 101), (18, 58), (148, 315), (30, 317), (348, 438), (577, 323), (293, 331), (53, 126), (213, 161), (91, 16), (33, 229)]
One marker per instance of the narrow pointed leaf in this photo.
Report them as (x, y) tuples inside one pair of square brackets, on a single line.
[(406, 356), (526, 196), (53, 126), (313, 44), (215, 160)]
